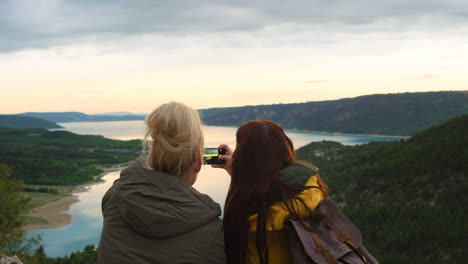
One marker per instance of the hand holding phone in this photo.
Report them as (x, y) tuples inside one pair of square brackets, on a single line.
[(225, 154)]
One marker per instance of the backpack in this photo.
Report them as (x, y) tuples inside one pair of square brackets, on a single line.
[(327, 236)]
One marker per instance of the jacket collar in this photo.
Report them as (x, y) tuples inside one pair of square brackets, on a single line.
[(294, 174)]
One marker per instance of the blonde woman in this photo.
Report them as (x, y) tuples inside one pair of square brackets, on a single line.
[(152, 214)]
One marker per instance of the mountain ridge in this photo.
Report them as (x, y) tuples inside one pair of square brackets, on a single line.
[(65, 117), (400, 114), (14, 121)]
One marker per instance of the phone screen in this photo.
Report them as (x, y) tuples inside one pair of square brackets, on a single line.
[(210, 157)]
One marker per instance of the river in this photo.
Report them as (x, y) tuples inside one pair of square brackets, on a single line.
[(86, 224)]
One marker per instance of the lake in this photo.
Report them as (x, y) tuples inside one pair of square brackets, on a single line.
[(86, 214)]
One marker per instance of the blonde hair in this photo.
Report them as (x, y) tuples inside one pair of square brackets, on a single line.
[(173, 139)]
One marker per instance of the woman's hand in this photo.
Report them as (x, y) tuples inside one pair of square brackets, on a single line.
[(227, 157)]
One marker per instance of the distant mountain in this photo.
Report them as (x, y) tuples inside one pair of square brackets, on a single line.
[(386, 114), (120, 114), (15, 121), (407, 197), (64, 117)]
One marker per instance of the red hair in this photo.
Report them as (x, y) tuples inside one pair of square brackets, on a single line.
[(262, 151)]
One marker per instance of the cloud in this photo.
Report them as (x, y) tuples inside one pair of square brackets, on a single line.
[(48, 23), (424, 77)]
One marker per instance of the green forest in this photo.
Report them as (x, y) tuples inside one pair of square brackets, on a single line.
[(407, 197), (386, 114), (39, 156)]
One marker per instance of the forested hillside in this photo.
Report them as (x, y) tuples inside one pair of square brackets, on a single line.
[(386, 114), (63, 117), (38, 156), (14, 121), (407, 197)]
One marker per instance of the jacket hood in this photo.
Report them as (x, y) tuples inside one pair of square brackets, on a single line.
[(160, 205), (295, 175)]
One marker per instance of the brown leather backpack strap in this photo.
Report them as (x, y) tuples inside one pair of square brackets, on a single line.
[(323, 249), (345, 237), (320, 246)]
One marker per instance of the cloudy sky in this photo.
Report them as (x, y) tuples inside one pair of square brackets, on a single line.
[(112, 55)]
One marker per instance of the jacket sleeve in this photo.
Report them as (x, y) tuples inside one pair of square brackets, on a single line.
[(212, 251)]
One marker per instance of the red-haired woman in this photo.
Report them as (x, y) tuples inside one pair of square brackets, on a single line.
[(267, 187)]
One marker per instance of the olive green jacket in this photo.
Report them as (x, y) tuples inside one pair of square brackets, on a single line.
[(153, 217)]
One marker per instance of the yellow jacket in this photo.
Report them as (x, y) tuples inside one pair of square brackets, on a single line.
[(276, 233)]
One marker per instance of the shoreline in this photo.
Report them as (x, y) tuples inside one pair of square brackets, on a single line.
[(55, 212), (327, 132), (344, 134)]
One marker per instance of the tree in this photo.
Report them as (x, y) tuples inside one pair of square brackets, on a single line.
[(39, 253), (12, 204)]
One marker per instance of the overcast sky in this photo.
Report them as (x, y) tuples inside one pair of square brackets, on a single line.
[(100, 56)]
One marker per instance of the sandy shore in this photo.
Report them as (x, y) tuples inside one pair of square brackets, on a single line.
[(55, 212)]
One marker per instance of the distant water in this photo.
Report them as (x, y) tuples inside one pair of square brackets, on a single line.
[(214, 135), (86, 214)]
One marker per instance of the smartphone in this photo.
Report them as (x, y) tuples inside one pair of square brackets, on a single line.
[(210, 157)]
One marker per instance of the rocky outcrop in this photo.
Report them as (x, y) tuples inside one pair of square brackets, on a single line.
[(9, 260)]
